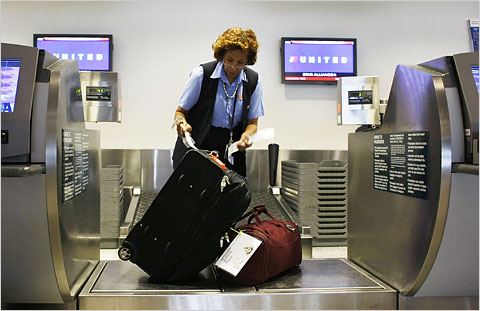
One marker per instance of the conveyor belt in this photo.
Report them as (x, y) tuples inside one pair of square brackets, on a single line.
[(275, 205), (315, 284), (258, 198), (144, 203)]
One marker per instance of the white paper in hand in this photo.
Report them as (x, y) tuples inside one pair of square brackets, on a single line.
[(188, 141), (263, 134)]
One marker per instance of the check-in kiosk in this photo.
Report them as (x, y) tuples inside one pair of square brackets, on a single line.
[(50, 191), (413, 187)]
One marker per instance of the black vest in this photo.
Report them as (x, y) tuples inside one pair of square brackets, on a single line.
[(201, 115)]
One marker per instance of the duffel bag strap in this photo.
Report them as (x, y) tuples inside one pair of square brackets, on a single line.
[(257, 211)]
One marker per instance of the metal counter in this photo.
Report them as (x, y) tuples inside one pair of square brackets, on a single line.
[(50, 189), (315, 284)]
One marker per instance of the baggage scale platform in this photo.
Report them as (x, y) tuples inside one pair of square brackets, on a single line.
[(315, 284)]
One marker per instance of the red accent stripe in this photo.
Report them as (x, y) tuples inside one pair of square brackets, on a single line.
[(312, 78)]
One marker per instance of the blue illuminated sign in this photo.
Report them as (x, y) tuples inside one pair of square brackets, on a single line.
[(9, 84)]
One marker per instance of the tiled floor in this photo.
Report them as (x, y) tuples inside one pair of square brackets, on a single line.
[(317, 252)]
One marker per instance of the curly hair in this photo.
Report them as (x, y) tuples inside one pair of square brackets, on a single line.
[(237, 38)]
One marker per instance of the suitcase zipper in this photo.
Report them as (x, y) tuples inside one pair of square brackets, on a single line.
[(225, 181)]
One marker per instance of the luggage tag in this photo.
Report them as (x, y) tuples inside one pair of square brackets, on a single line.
[(238, 253)]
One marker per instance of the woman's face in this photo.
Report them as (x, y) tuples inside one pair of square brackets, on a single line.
[(233, 63)]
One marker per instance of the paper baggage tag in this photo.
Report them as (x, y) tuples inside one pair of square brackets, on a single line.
[(263, 134), (238, 253), (188, 141)]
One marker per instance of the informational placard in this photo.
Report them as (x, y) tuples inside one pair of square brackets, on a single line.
[(75, 163), (96, 93), (400, 163), (360, 97)]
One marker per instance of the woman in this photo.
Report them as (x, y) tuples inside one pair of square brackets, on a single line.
[(222, 100)]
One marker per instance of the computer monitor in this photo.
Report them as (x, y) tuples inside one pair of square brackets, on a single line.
[(318, 60), (475, 75), (466, 68), (18, 70), (10, 73), (93, 52)]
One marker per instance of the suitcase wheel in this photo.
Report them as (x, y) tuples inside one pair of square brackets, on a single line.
[(128, 251), (124, 253)]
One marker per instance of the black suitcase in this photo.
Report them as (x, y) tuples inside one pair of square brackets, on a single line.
[(180, 233)]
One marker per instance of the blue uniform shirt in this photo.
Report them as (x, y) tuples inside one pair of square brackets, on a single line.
[(223, 110)]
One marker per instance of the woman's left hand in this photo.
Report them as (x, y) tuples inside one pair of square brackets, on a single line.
[(243, 143)]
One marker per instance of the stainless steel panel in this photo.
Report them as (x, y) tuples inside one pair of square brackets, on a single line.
[(156, 169), (358, 114), (322, 275), (445, 66), (131, 161), (101, 110), (27, 271), (287, 301), (18, 170), (460, 244), (396, 237), (73, 225), (437, 303), (39, 119), (150, 296), (124, 277)]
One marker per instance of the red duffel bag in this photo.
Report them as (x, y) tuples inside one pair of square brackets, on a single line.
[(281, 248)]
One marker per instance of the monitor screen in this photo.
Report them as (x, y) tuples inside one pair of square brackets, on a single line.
[(93, 52), (475, 75), (318, 60), (9, 84)]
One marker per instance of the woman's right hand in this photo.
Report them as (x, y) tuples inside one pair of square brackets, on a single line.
[(183, 127)]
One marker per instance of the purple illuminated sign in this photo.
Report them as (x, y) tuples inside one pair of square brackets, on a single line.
[(93, 53), (318, 60), (10, 73)]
